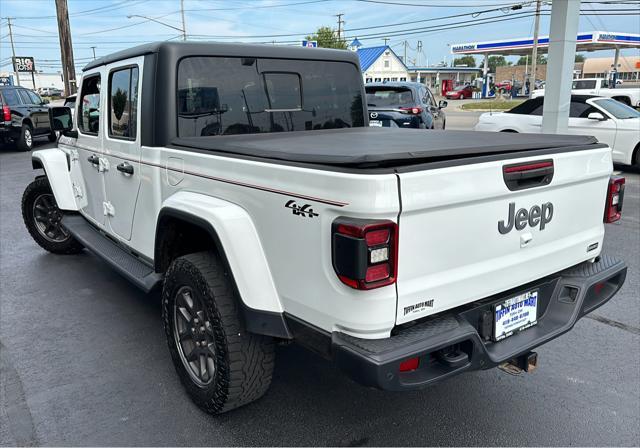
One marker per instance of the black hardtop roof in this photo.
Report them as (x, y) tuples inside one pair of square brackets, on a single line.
[(182, 49), (379, 147)]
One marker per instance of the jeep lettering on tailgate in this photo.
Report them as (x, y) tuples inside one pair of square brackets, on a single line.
[(537, 215)]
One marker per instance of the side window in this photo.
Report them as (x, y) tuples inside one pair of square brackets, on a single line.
[(35, 98), (11, 97), (89, 110), (577, 110), (123, 103), (24, 96)]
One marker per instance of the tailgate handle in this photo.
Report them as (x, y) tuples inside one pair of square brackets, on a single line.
[(520, 176)]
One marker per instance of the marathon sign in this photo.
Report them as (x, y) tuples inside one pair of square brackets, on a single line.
[(310, 43), (24, 64), (463, 47)]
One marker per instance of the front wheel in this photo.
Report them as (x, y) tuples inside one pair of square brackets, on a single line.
[(220, 364), (42, 217)]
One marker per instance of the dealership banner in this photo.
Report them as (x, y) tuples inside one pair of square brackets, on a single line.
[(24, 64)]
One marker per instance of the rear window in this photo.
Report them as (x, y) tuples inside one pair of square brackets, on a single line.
[(584, 84), (389, 96), (224, 96), (10, 97)]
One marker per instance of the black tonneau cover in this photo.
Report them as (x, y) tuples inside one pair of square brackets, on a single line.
[(376, 147)]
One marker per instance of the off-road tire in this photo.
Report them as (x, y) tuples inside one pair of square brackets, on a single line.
[(35, 189), (244, 361), (25, 140)]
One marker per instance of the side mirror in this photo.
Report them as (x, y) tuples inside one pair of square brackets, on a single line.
[(60, 118), (442, 104), (45, 101), (596, 116)]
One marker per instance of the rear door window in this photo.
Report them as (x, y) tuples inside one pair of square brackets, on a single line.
[(224, 96), (10, 97), (389, 97), (584, 84), (123, 103), (24, 96)]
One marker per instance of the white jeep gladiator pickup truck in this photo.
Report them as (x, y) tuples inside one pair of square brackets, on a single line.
[(245, 183), (600, 87)]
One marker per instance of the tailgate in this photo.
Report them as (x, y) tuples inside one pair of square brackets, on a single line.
[(452, 250)]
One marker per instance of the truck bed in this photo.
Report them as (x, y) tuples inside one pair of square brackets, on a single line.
[(379, 148)]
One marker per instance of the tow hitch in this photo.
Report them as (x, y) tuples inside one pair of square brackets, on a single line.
[(523, 363)]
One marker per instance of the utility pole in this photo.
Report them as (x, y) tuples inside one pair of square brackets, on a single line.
[(404, 60), (13, 51), (184, 27), (66, 48), (340, 23), (386, 39), (94, 52), (534, 53)]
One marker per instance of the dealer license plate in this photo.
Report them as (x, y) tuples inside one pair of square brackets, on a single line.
[(375, 123), (515, 314)]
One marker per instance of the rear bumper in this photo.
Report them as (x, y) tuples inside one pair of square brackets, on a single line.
[(563, 299)]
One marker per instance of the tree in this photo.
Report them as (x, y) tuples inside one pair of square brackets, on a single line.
[(327, 38), (468, 60), (579, 57), (526, 60), (497, 61)]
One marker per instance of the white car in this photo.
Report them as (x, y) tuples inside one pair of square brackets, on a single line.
[(610, 121)]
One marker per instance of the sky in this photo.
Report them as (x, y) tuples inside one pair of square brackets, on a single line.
[(104, 24)]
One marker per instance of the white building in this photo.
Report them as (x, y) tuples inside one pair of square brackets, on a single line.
[(379, 64), (42, 80)]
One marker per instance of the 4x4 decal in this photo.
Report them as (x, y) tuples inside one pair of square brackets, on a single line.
[(302, 210)]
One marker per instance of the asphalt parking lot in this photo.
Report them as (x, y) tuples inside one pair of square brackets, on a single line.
[(83, 361)]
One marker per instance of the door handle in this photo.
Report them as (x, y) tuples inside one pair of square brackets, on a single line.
[(124, 167), (93, 159)]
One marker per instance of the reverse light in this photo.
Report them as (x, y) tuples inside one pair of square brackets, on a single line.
[(6, 113), (615, 197), (365, 252)]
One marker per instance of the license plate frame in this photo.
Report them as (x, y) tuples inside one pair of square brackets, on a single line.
[(515, 314)]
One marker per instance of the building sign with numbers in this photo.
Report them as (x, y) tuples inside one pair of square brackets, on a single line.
[(24, 64)]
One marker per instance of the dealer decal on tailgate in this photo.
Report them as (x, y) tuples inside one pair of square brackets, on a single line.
[(418, 307)]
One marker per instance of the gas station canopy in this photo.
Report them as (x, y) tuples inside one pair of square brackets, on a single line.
[(591, 41)]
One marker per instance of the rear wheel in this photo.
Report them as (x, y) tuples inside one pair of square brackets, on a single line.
[(42, 217), (221, 365), (25, 141)]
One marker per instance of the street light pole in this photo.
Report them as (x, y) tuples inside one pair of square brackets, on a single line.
[(184, 27)]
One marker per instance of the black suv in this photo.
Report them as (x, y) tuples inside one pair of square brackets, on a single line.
[(404, 105), (24, 116)]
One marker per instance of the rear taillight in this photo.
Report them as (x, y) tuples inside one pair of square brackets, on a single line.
[(365, 252), (411, 110), (6, 113), (615, 196)]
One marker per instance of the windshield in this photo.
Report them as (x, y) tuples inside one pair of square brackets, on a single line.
[(617, 109), (460, 88), (584, 84), (223, 96), (389, 96)]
